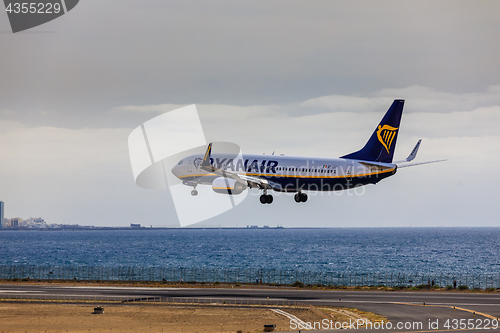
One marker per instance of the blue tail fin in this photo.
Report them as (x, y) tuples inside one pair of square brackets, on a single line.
[(382, 143)]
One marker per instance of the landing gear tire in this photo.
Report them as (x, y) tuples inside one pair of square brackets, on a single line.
[(269, 199), (194, 193), (266, 199), (263, 199), (300, 197)]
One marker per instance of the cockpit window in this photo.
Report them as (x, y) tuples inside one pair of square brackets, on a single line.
[(180, 162)]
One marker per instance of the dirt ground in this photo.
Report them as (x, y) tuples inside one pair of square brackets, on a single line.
[(60, 317)]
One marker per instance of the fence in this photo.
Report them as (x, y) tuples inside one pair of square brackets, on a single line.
[(247, 275)]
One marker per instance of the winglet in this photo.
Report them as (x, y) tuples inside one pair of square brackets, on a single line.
[(412, 155), (205, 164), (414, 152)]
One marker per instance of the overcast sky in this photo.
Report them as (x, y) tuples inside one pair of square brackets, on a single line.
[(301, 78)]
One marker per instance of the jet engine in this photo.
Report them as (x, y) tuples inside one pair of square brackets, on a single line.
[(228, 186)]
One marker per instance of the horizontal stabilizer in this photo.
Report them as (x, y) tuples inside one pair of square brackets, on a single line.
[(413, 164)]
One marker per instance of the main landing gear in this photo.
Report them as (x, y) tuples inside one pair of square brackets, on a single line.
[(300, 197), (266, 198)]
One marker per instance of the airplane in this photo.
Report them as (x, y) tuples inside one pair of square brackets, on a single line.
[(231, 174)]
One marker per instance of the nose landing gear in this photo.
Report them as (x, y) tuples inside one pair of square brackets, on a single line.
[(300, 197), (194, 192)]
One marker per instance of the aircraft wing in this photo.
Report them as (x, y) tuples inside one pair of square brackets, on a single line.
[(251, 181)]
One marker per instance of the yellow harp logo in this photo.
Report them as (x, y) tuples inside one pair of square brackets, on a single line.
[(385, 135)]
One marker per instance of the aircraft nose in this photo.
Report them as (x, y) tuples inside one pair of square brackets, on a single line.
[(175, 171)]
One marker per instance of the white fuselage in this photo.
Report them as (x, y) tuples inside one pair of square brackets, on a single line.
[(288, 173)]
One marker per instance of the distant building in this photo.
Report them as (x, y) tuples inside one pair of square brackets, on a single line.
[(33, 222), (2, 221), (16, 222), (135, 226)]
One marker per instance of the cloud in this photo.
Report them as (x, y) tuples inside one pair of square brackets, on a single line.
[(85, 173), (418, 99), (245, 54), (340, 124), (60, 173), (295, 79), (161, 108)]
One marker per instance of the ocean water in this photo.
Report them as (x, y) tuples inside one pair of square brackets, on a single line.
[(367, 250)]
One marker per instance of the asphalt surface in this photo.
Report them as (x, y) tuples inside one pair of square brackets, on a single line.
[(405, 310)]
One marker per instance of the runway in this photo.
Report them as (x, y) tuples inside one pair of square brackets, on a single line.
[(432, 309)]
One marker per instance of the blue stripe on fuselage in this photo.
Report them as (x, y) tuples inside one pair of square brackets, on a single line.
[(294, 184)]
